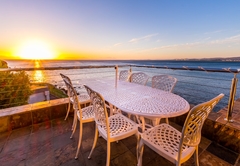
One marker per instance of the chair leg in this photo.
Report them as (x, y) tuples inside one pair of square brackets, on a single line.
[(138, 143), (196, 156), (74, 119), (140, 153), (79, 139), (108, 153), (69, 105), (94, 142), (74, 124)]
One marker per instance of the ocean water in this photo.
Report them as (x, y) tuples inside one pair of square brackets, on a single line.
[(57, 63), (194, 86)]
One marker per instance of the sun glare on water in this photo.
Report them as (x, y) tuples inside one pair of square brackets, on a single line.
[(35, 50)]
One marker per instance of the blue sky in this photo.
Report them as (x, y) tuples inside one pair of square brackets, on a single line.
[(126, 29)]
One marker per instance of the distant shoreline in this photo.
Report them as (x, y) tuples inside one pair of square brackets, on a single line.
[(229, 59)]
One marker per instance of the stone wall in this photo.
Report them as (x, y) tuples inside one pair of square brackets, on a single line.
[(27, 115)]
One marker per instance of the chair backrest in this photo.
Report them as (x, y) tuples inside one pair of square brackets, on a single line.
[(191, 132), (164, 82), (66, 80), (100, 111), (124, 75), (73, 95), (139, 78), (89, 91)]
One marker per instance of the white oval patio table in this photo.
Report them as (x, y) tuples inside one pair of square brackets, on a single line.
[(143, 101)]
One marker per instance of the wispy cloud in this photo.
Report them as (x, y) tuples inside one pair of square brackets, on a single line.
[(206, 41), (179, 45), (186, 45), (117, 44), (168, 46), (217, 31), (147, 37), (203, 42), (232, 39)]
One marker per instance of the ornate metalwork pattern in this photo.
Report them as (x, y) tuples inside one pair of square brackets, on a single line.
[(141, 100), (194, 122), (139, 78), (113, 128), (87, 113), (99, 109), (124, 75), (118, 125), (83, 98), (179, 146), (164, 82), (165, 137), (84, 115)]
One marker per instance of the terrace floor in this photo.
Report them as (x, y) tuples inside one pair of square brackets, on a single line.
[(49, 144)]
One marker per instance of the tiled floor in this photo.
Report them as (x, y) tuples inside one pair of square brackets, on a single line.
[(49, 144)]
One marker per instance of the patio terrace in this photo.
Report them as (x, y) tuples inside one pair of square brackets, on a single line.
[(48, 143)]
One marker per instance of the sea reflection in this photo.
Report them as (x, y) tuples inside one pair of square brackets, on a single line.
[(38, 75)]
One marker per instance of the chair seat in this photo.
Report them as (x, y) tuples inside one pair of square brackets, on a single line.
[(83, 98), (87, 114), (120, 127), (164, 140)]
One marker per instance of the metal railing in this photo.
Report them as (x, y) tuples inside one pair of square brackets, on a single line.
[(194, 84), (208, 83)]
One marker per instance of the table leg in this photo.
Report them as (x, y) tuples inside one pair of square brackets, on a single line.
[(156, 121), (111, 109)]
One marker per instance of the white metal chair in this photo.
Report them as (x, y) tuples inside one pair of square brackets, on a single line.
[(176, 146), (124, 75), (139, 78), (83, 98), (164, 82), (84, 115), (113, 128)]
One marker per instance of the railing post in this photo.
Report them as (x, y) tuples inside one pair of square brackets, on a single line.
[(231, 98), (130, 72), (116, 74)]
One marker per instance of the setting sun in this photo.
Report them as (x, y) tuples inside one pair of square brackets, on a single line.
[(35, 50)]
